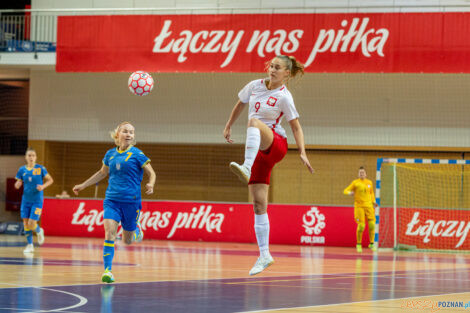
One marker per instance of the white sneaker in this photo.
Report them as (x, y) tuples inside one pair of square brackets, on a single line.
[(261, 264), (241, 171), (29, 249), (41, 236)]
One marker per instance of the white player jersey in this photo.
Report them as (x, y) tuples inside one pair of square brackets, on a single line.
[(269, 106)]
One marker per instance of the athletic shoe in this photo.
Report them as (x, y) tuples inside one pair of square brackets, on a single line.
[(241, 171), (261, 264), (373, 247), (359, 248), (41, 236), (29, 248), (107, 277), (139, 237)]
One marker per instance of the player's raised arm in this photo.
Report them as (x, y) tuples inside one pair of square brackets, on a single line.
[(95, 178), (236, 111)]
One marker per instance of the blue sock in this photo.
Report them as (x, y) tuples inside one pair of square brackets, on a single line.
[(38, 229), (29, 236), (108, 254)]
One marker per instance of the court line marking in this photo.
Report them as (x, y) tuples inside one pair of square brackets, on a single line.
[(357, 302), (82, 299)]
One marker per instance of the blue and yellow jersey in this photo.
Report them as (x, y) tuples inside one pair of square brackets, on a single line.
[(125, 173), (32, 177), (363, 192)]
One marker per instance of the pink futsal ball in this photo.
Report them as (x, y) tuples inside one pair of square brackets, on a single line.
[(140, 83)]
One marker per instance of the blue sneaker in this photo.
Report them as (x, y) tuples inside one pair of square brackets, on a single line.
[(107, 277)]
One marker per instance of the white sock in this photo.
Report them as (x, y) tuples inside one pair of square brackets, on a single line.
[(262, 233), (253, 139)]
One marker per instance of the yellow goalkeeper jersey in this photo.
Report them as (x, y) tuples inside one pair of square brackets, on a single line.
[(363, 192)]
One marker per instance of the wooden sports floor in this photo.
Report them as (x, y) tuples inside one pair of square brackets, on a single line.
[(63, 275)]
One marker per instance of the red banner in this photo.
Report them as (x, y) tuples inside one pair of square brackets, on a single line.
[(205, 221), (365, 42), (434, 229)]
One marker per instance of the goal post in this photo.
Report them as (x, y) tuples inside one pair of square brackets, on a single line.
[(424, 204)]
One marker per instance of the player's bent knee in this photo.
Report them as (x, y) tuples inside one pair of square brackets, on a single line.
[(127, 241), (32, 224), (259, 207)]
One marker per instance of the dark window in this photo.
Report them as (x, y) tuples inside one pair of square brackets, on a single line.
[(14, 99)]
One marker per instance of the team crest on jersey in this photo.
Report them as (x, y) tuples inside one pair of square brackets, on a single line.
[(118, 166), (271, 101), (30, 179)]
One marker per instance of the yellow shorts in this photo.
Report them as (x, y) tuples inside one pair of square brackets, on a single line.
[(363, 213)]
